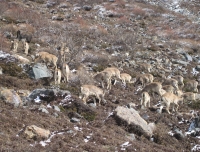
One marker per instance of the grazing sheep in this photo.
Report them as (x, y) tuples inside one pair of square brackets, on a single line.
[(150, 77), (171, 81), (27, 37), (144, 66), (144, 79), (126, 78), (47, 58), (178, 92), (191, 86), (15, 45), (91, 90), (169, 98), (106, 75), (145, 98), (168, 88), (188, 96), (102, 77), (154, 87), (26, 46), (57, 76)]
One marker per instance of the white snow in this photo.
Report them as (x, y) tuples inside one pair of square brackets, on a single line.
[(125, 145), (37, 100)]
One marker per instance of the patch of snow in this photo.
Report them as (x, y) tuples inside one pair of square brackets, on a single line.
[(196, 148), (77, 128), (171, 133), (49, 106), (194, 72), (43, 143), (86, 140), (125, 145), (37, 100)]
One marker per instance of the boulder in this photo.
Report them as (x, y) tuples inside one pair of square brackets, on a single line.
[(47, 94), (134, 121), (40, 71), (10, 96), (36, 132), (194, 128)]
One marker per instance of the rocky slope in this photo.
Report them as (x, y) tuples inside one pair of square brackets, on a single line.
[(157, 37)]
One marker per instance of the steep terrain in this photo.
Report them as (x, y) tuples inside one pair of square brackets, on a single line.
[(128, 34)]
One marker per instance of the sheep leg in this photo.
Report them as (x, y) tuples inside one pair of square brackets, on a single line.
[(84, 99), (95, 102), (149, 103), (167, 108)]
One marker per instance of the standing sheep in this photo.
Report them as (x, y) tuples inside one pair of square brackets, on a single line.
[(145, 98), (170, 98), (154, 87), (91, 90)]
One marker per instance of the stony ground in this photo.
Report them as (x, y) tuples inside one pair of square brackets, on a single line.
[(99, 33)]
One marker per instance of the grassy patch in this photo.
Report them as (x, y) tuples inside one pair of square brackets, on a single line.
[(14, 70), (194, 105)]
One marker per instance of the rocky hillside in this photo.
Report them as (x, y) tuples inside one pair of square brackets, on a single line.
[(160, 39)]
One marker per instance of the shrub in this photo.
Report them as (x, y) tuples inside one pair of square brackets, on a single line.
[(14, 70)]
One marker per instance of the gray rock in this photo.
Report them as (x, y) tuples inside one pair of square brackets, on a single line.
[(178, 134), (63, 5), (58, 18), (51, 3), (46, 94), (198, 67), (75, 120), (42, 109), (39, 71), (131, 105), (70, 131), (92, 105), (87, 7), (187, 57), (131, 137), (55, 114), (184, 53), (180, 62), (135, 122), (56, 108)]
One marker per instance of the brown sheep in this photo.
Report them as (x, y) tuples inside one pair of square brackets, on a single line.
[(91, 90), (169, 98)]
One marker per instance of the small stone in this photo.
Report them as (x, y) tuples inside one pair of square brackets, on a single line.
[(87, 7), (56, 108), (75, 120)]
